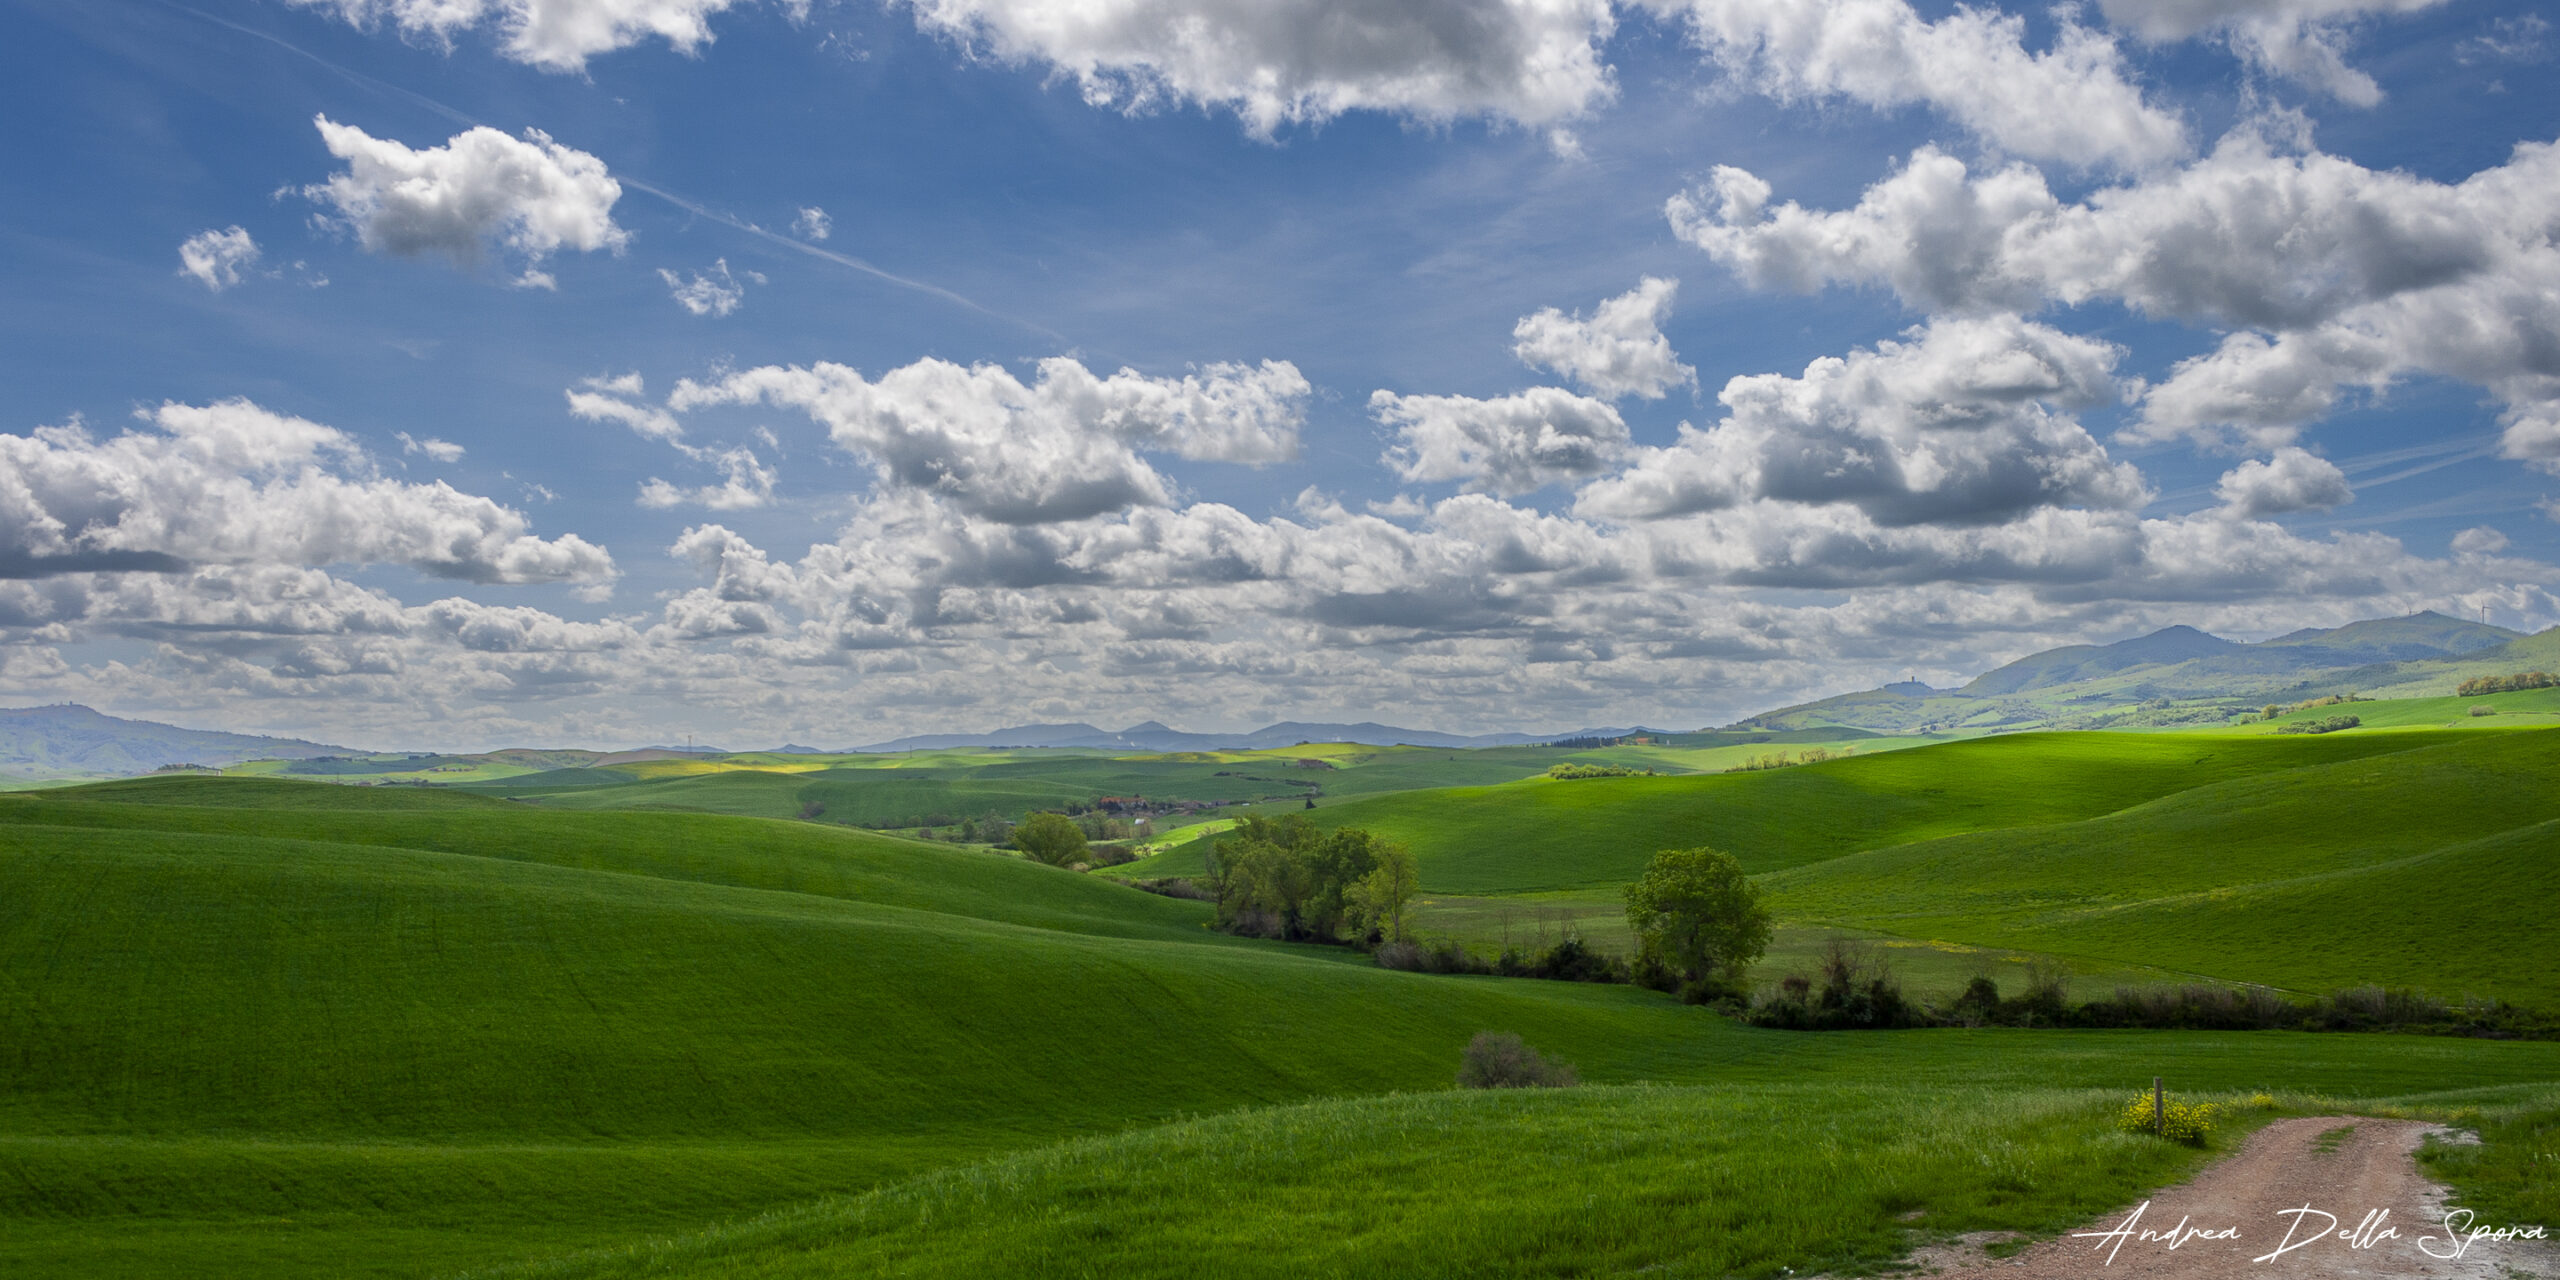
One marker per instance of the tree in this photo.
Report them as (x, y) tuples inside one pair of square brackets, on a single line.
[(1382, 899), (1697, 914), (1286, 877), (1053, 838)]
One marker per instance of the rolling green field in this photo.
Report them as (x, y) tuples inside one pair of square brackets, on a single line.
[(255, 1026), (2430, 866), (941, 788), (1540, 834), (1754, 1180)]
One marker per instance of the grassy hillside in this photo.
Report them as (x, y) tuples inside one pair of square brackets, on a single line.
[(1542, 834), (292, 1029), (244, 1036), (1765, 1180), (2428, 866)]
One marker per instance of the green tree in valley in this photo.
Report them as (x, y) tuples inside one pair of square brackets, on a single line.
[(1286, 877), (1696, 914), (1053, 838), (1383, 899)]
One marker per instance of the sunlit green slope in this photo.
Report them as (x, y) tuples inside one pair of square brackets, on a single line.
[(2431, 866), (1543, 834)]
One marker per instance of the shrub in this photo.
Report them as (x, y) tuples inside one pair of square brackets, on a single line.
[(1858, 992), (2187, 1122), (1174, 887), (1573, 960), (1437, 956), (2330, 725), (2484, 709), (1979, 1004), (1570, 771), (1500, 1060)]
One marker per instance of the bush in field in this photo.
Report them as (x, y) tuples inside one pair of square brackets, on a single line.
[(1696, 914), (1500, 1060), (1053, 838), (1440, 955), (2187, 1122), (1571, 771), (2329, 725)]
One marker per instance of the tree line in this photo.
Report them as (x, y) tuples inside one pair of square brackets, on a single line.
[(2518, 682)]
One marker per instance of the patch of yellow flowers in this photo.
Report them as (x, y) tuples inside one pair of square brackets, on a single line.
[(2186, 1122)]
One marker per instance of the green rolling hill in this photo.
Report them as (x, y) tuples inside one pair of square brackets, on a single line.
[(2429, 866), (295, 1029), (1541, 834)]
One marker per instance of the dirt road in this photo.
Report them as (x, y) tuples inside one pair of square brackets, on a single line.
[(2332, 1197)]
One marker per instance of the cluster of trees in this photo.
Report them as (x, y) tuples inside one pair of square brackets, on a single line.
[(992, 829), (1571, 770), (1287, 878), (2506, 684), (2330, 724), (2274, 709), (1781, 760)]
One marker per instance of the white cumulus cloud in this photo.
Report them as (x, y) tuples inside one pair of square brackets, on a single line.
[(2331, 275), (555, 35), (215, 258), (2073, 102), (813, 223), (1618, 351), (1061, 447), (1277, 62), (1509, 444), (530, 196), (748, 483), (235, 484), (714, 294), (2302, 40), (436, 450), (1966, 423), (2292, 480)]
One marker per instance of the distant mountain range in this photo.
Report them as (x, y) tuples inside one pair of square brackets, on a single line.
[(2127, 683), (2172, 676), (71, 741), (1154, 736)]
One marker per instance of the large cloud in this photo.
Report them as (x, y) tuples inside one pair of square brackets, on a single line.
[(1281, 61), (2292, 480), (1958, 426), (1618, 351), (2301, 40), (1509, 444), (232, 483), (555, 35), (1062, 447), (2337, 275), (530, 195), (2071, 103)]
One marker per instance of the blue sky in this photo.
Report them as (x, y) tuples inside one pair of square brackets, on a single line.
[(469, 374)]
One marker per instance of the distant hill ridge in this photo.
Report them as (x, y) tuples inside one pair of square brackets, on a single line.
[(73, 741), (1154, 736), (2069, 686)]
